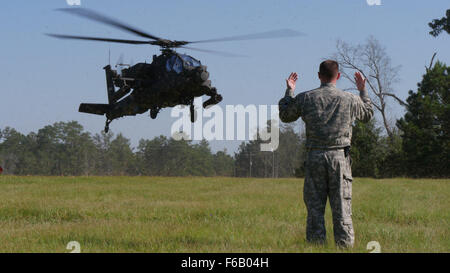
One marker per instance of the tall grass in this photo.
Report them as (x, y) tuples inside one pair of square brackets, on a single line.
[(160, 214)]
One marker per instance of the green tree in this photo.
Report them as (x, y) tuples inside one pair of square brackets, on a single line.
[(223, 164), (151, 155), (426, 124), (30, 163), (247, 161), (439, 25), (13, 151), (390, 157), (47, 151), (250, 161), (122, 158), (73, 148), (283, 162), (201, 160), (176, 158), (102, 144), (170, 157), (365, 149)]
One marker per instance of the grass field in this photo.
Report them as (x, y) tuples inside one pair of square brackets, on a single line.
[(160, 214)]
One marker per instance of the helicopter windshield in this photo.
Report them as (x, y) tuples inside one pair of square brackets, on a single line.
[(188, 60), (174, 63)]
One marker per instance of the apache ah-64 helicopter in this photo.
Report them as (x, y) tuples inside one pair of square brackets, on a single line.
[(171, 79)]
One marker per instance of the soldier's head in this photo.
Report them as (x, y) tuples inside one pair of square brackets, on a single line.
[(329, 71)]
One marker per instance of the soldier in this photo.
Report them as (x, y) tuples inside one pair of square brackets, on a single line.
[(328, 113)]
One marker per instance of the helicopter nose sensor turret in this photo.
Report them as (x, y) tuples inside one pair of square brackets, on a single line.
[(204, 75), (201, 74)]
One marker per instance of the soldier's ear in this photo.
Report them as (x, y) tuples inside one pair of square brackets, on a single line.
[(338, 76)]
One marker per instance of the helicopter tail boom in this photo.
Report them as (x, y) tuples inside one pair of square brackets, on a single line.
[(109, 83)]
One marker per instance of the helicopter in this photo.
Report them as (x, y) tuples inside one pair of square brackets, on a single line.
[(171, 78)]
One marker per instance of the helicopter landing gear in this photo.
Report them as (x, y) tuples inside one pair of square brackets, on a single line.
[(108, 121), (193, 112), (154, 112)]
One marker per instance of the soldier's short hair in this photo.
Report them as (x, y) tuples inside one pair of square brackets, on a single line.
[(329, 69)]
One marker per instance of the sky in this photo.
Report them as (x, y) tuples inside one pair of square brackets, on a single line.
[(43, 80)]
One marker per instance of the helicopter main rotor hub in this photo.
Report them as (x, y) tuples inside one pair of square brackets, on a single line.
[(167, 44)]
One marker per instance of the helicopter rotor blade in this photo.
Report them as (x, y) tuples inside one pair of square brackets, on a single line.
[(280, 33), (73, 37), (95, 16), (221, 53)]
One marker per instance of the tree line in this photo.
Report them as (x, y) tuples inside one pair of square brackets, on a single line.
[(64, 148)]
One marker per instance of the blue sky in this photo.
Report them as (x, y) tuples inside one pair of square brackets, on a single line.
[(43, 80)]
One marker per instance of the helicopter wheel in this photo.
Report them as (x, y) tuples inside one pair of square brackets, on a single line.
[(154, 112), (108, 121)]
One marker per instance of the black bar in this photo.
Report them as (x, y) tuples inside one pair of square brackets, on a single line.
[(222, 262)]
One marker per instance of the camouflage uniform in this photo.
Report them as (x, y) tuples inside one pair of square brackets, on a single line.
[(328, 114)]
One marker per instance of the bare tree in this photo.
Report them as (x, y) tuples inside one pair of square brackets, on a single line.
[(372, 61)]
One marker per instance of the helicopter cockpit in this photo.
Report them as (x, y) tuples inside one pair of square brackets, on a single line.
[(189, 61), (177, 62)]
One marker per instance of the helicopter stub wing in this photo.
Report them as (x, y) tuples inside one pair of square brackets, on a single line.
[(94, 108)]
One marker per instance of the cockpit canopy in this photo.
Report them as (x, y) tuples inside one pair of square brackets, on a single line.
[(179, 61)]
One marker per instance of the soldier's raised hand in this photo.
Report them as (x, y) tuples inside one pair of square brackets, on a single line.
[(290, 82), (360, 81)]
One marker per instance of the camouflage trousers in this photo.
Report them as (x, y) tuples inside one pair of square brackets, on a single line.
[(329, 175)]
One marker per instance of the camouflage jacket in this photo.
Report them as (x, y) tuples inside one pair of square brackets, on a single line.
[(328, 113)]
